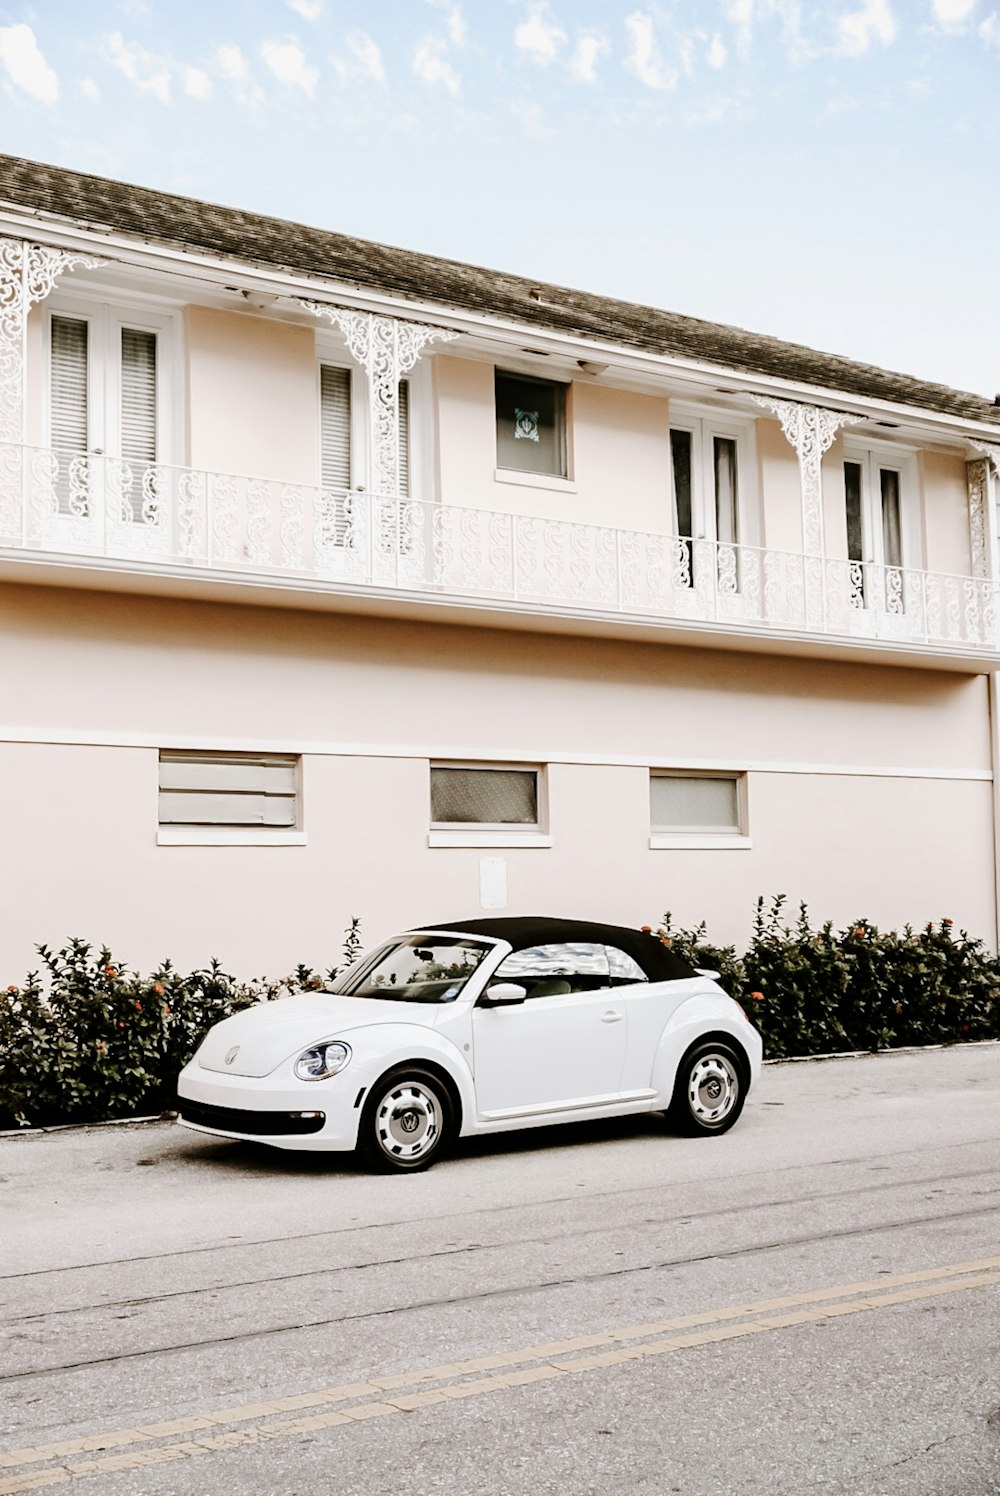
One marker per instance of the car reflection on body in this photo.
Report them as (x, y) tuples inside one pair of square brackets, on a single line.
[(474, 1027)]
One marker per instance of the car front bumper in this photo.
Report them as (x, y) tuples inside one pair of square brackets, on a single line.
[(272, 1109)]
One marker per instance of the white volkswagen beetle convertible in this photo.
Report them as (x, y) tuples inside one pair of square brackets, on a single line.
[(481, 1026)]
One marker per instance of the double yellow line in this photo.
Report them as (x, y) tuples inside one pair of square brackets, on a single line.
[(408, 1391)]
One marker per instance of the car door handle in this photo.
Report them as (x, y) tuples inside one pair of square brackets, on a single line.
[(612, 1017)]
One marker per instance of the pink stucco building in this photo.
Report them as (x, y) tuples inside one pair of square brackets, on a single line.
[(337, 580)]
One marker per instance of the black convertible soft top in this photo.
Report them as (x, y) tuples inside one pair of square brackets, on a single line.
[(656, 959)]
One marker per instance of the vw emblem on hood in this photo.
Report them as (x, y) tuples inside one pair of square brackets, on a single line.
[(232, 1053)]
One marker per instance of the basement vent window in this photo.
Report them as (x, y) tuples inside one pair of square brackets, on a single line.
[(697, 809), (229, 797)]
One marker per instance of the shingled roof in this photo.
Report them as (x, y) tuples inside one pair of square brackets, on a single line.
[(274, 243)]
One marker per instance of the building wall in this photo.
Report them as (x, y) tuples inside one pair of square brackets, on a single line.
[(863, 781)]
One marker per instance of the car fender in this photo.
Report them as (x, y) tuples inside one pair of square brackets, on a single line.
[(383, 1047), (703, 1013)]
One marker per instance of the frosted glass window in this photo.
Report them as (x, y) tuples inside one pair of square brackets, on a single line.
[(694, 802), (484, 797), (892, 527)]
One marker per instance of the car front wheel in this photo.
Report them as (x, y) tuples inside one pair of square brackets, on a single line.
[(709, 1091), (406, 1122)]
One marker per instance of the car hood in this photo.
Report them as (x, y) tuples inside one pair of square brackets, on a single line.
[(268, 1033)]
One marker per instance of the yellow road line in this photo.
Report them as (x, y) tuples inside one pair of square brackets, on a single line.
[(704, 1329)]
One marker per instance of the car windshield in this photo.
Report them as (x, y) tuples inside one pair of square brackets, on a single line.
[(419, 969)]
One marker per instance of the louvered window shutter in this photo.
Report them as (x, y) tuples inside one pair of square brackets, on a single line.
[(138, 396), (404, 437), (69, 402), (335, 429), (69, 385)]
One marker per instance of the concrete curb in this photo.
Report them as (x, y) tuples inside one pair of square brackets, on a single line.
[(803, 1059)]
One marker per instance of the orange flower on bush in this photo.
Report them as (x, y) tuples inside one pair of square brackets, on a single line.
[(646, 929), (138, 1007), (859, 932), (166, 1010), (758, 997), (664, 939), (121, 1023), (158, 988), (948, 922), (111, 971), (13, 991)]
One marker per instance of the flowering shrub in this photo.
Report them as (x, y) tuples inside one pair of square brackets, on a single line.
[(817, 991), (86, 1039)]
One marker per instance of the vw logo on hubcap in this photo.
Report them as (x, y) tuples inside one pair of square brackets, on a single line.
[(409, 1121), (232, 1053)]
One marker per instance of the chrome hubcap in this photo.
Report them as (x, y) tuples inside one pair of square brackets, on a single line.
[(408, 1121), (713, 1088)]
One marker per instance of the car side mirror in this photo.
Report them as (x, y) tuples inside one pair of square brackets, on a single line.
[(502, 993)]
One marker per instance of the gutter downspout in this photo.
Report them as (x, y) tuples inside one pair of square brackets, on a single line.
[(994, 711)]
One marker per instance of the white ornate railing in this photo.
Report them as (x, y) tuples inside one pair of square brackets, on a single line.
[(220, 524)]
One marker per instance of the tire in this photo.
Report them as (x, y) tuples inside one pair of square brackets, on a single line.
[(709, 1090), (406, 1123)]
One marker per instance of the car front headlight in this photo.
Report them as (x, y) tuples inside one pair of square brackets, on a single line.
[(320, 1061)]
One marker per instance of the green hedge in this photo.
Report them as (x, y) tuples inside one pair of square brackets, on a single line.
[(85, 1039), (820, 991)]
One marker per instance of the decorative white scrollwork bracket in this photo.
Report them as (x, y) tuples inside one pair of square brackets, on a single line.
[(28, 273), (386, 349), (811, 430), (978, 476)]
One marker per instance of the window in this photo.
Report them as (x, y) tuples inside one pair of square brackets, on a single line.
[(531, 424), (711, 483), (229, 796), (879, 487), (336, 404), (486, 805), (697, 808), (108, 397), (556, 970), (625, 970)]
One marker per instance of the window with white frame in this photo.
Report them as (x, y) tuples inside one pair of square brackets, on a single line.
[(880, 501), (697, 807), (229, 791), (110, 371), (712, 493), (487, 804), (531, 424), (339, 417)]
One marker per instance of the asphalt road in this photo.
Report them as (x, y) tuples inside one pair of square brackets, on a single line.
[(808, 1304)]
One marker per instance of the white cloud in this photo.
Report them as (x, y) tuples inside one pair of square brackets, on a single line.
[(989, 30), (952, 13), (431, 65), (309, 10), (746, 15), (716, 54), (367, 55), (197, 83), (539, 37), (583, 63), (857, 30), (644, 58), (236, 70), (454, 19), (287, 62), (149, 73), (90, 90), (25, 65)]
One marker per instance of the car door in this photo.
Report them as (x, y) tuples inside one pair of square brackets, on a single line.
[(563, 1047)]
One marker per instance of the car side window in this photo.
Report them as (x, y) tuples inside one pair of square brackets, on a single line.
[(556, 970), (625, 971)]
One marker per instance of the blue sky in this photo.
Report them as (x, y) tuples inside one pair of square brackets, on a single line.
[(826, 172)]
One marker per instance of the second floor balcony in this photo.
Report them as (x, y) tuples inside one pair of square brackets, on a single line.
[(115, 517)]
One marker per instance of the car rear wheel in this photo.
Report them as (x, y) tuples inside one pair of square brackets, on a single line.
[(709, 1091), (406, 1122)]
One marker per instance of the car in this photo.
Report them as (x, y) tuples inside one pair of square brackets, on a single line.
[(473, 1027)]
